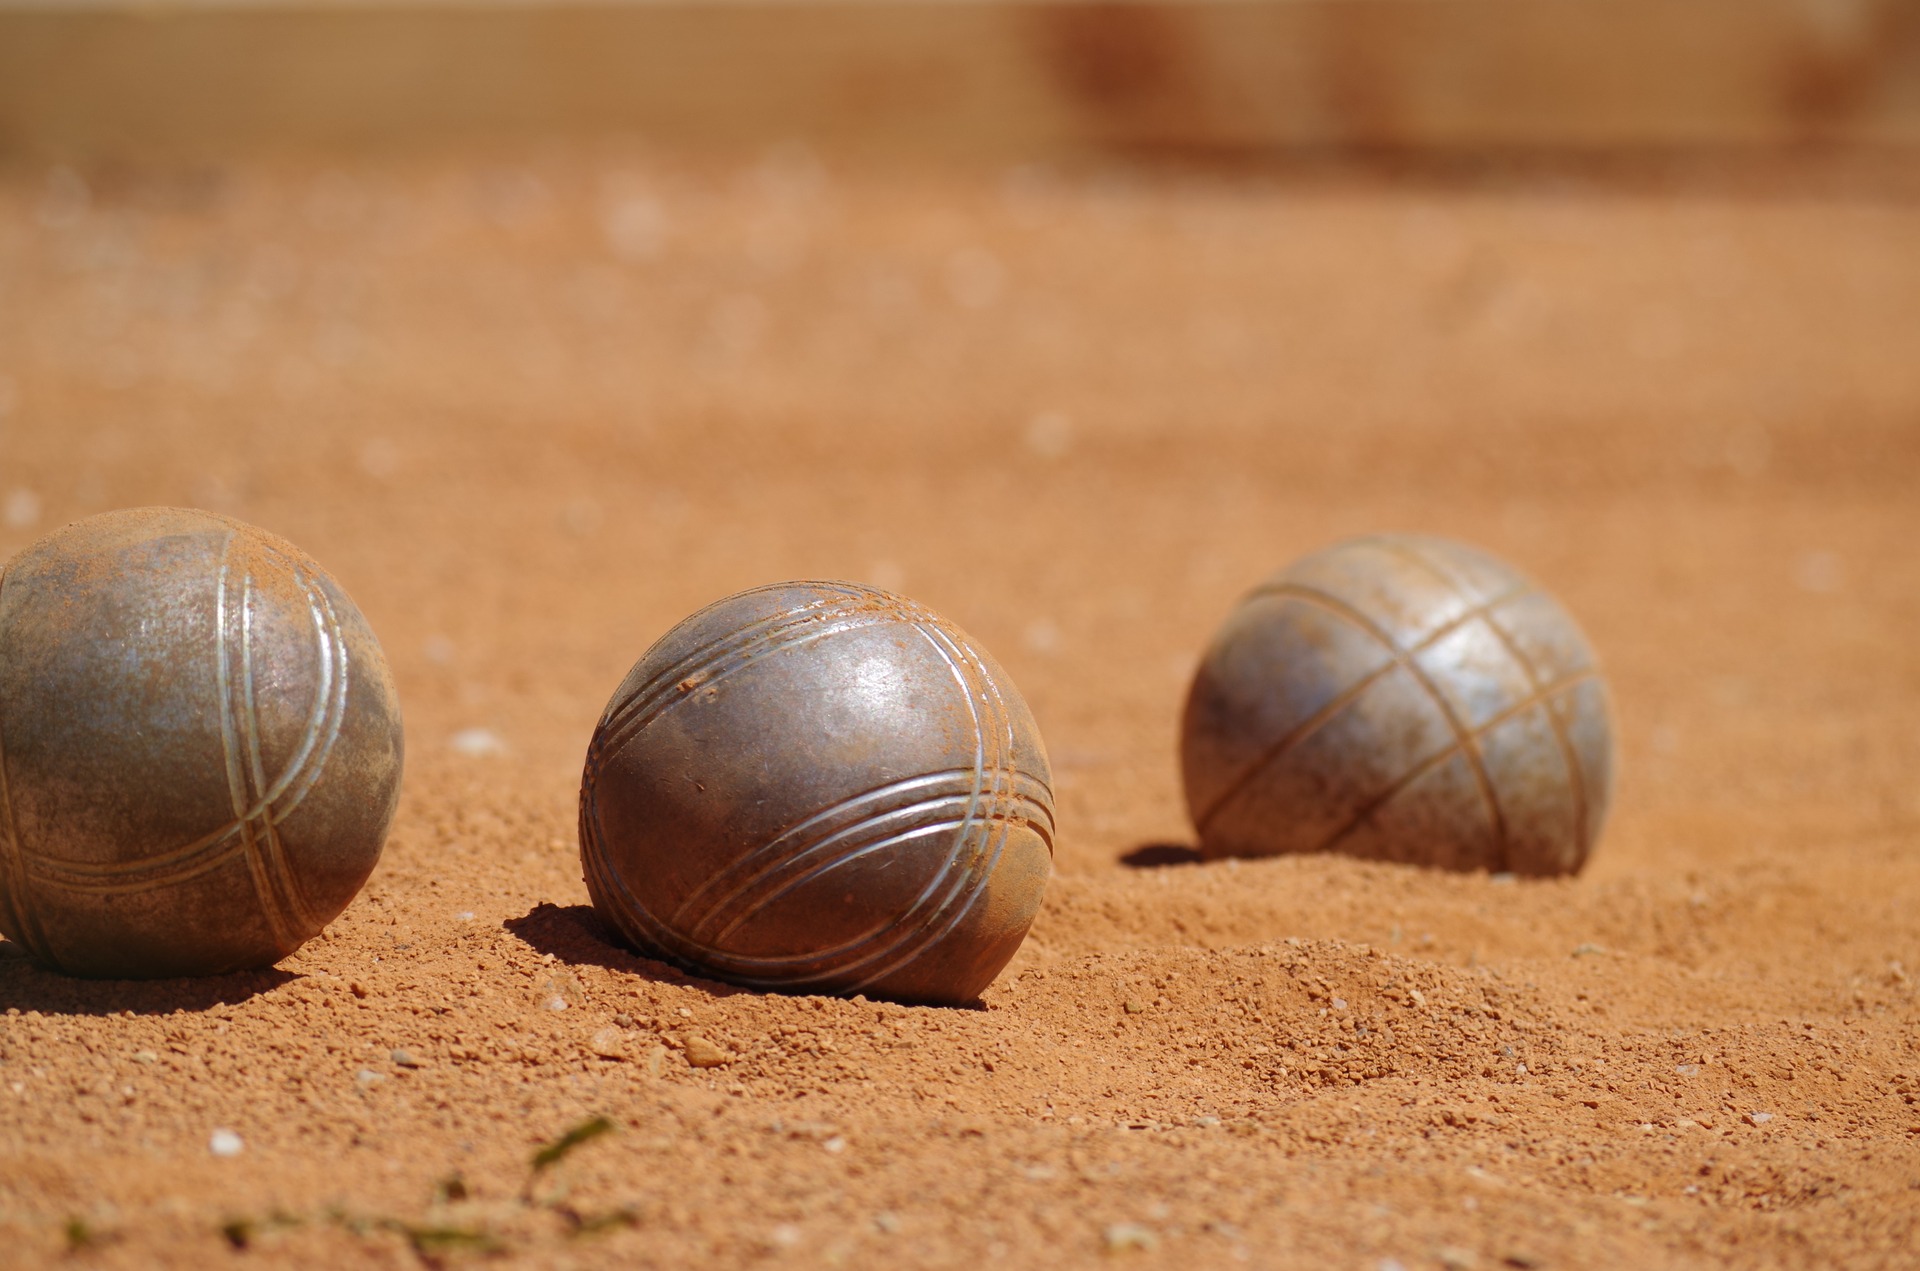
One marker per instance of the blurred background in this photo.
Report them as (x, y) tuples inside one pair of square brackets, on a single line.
[(543, 323)]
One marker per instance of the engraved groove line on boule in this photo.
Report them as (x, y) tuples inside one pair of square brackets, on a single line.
[(857, 950), (756, 639), (913, 925), (687, 663), (621, 723), (871, 810), (295, 782), (287, 891), (1575, 777), (722, 657), (962, 872), (847, 600), (919, 935), (298, 779), (230, 747), (1320, 718), (25, 926), (1542, 698), (1463, 736), (978, 836), (1576, 780), (1010, 810)]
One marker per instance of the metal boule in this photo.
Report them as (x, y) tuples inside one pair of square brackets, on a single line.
[(818, 787), (1402, 698), (200, 746)]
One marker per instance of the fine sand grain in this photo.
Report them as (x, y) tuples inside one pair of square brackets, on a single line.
[(530, 409)]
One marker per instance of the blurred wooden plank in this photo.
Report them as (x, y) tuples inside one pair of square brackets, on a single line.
[(980, 76)]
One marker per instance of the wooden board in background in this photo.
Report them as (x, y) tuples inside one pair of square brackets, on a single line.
[(963, 76)]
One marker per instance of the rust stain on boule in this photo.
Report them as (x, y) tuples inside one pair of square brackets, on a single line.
[(200, 746), (859, 801), (1403, 698)]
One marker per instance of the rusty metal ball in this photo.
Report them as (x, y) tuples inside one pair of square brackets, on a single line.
[(818, 787), (1401, 698), (199, 746)]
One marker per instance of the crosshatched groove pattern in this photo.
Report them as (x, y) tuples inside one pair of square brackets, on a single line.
[(1400, 659), (1316, 783), (1464, 741), (949, 827), (1542, 692)]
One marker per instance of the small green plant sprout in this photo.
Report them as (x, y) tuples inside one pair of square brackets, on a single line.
[(434, 1244), (555, 1152), (579, 1224), (80, 1234), (242, 1232)]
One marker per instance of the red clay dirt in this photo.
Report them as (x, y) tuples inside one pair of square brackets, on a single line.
[(532, 408)]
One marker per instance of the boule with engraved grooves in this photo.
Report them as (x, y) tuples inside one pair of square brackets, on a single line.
[(1403, 698), (819, 787), (199, 746)]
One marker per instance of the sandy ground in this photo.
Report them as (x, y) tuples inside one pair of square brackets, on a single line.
[(533, 408)]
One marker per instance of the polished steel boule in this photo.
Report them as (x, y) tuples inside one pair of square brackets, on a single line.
[(199, 746), (1401, 698), (818, 787)]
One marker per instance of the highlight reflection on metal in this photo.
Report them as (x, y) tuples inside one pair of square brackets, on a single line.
[(820, 787), (1403, 698), (200, 746)]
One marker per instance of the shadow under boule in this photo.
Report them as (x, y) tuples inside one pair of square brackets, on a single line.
[(1161, 855), (27, 986)]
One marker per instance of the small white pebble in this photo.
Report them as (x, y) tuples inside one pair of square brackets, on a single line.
[(1050, 435), (1339, 1003), (975, 278), (22, 509), (477, 743), (465, 915), (1123, 1236), (556, 1003), (1817, 572), (1042, 636), (1758, 1118), (835, 1144), (380, 459), (224, 1143)]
